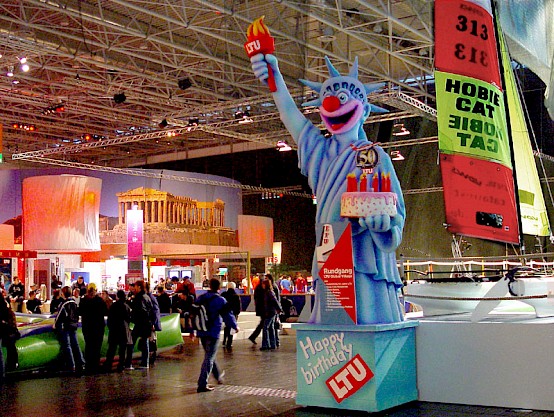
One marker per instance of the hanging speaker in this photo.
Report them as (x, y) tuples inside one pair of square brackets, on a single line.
[(184, 83), (119, 98)]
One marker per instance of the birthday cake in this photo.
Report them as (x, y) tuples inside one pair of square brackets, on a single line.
[(368, 201), (363, 204)]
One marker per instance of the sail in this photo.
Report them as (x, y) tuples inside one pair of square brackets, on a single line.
[(534, 218), (474, 144), (531, 43)]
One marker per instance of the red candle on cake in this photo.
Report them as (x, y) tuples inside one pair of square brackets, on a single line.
[(351, 184), (260, 41), (363, 183), (375, 183)]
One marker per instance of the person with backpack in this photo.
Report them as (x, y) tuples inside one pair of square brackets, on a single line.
[(65, 325), (142, 314), (216, 310)]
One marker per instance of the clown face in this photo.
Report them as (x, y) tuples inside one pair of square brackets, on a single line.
[(344, 104)]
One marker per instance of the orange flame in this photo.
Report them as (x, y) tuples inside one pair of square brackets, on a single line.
[(257, 28)]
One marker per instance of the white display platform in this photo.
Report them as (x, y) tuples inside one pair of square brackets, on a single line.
[(507, 360)]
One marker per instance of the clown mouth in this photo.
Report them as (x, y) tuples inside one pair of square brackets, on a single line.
[(338, 122)]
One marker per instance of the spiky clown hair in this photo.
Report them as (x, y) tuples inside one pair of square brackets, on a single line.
[(352, 76)]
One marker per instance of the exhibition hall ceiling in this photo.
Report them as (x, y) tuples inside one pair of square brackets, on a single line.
[(125, 83)]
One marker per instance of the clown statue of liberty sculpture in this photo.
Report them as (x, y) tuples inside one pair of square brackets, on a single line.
[(327, 162)]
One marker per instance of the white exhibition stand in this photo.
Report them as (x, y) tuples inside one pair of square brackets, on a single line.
[(503, 361)]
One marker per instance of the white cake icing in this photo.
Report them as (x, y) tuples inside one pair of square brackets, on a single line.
[(363, 204)]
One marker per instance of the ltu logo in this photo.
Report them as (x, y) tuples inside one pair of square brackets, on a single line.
[(253, 46), (349, 379)]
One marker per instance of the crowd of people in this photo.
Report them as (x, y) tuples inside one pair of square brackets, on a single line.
[(82, 303), (287, 284), (133, 319)]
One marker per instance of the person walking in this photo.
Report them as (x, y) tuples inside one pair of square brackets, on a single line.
[(92, 310), (271, 309), (119, 318), (65, 325), (216, 310), (277, 321), (141, 316), (259, 306), (233, 304)]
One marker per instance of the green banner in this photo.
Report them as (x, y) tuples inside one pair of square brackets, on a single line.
[(471, 118)]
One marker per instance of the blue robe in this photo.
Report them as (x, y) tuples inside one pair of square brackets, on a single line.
[(327, 163)]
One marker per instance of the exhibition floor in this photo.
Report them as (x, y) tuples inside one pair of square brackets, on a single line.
[(256, 384)]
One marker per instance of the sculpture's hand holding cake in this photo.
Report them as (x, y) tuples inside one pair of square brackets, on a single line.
[(377, 217)]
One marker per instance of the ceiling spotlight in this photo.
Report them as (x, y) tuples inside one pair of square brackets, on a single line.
[(24, 126), (243, 117), (25, 67), (399, 130), (184, 83), (23, 60), (326, 134), (119, 98), (396, 156), (58, 108), (283, 146), (162, 124), (327, 34), (10, 71)]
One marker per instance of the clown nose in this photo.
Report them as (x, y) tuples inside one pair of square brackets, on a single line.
[(331, 103)]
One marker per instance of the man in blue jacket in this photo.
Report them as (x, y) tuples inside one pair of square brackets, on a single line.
[(215, 308)]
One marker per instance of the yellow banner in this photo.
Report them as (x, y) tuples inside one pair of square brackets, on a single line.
[(534, 218)]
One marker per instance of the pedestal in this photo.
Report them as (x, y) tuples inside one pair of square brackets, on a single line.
[(367, 368), (503, 361)]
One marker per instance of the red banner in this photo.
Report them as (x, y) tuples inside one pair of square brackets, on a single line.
[(338, 275), (18, 253), (479, 198), (465, 41)]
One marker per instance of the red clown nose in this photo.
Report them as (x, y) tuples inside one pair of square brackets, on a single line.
[(331, 103)]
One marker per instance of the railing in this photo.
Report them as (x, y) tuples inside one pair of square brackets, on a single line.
[(478, 268)]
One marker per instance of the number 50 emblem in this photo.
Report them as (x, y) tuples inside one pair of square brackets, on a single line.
[(367, 159)]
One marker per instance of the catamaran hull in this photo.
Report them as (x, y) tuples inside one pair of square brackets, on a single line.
[(463, 297), (437, 299)]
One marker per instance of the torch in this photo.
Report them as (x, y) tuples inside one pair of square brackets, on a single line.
[(261, 41)]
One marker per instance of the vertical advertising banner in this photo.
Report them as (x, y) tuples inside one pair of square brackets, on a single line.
[(474, 140), (134, 240), (465, 41), (336, 270)]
